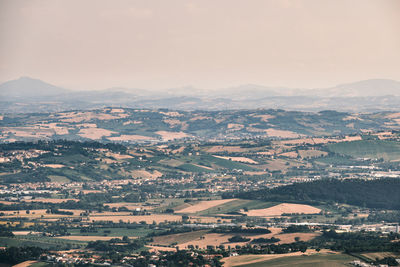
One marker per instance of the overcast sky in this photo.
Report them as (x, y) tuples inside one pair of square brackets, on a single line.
[(96, 44)]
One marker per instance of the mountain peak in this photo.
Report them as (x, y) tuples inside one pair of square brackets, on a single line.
[(29, 87)]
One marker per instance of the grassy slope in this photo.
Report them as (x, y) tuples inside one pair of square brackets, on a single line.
[(387, 150), (306, 261)]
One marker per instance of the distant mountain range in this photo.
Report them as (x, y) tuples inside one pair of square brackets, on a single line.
[(31, 95)]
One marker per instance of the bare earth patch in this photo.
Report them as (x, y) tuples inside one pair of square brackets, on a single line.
[(54, 166), (281, 133), (130, 137), (284, 208), (25, 264), (95, 133)]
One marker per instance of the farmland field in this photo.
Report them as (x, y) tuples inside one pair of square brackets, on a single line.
[(334, 260), (376, 149), (204, 205), (284, 208)]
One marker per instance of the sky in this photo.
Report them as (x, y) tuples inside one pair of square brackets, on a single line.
[(156, 44)]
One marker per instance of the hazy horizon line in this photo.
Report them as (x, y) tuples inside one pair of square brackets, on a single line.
[(198, 87)]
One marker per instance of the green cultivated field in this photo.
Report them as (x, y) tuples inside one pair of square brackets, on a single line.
[(139, 232), (40, 241), (374, 149)]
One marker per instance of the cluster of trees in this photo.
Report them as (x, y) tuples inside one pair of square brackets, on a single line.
[(6, 232), (178, 258), (297, 229), (238, 238), (115, 245), (15, 255), (240, 230), (357, 242), (57, 211), (380, 193)]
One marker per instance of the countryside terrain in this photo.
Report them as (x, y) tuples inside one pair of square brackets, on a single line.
[(147, 125), (26, 94), (138, 187)]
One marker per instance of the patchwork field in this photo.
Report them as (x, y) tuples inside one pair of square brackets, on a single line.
[(308, 259), (203, 238), (204, 205)]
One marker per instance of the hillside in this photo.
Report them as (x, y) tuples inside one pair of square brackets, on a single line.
[(32, 95), (382, 193), (145, 125)]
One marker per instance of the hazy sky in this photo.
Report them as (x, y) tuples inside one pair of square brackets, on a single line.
[(95, 44)]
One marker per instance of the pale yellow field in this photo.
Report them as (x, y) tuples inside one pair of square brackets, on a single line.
[(265, 117), (291, 154), (281, 133), (118, 156), (130, 137), (278, 164), (147, 218), (7, 202), (393, 115), (283, 208), (25, 264), (25, 232), (95, 133), (212, 239), (215, 239), (235, 126), (35, 214), (23, 212), (290, 237), (54, 166), (203, 205), (352, 138)]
